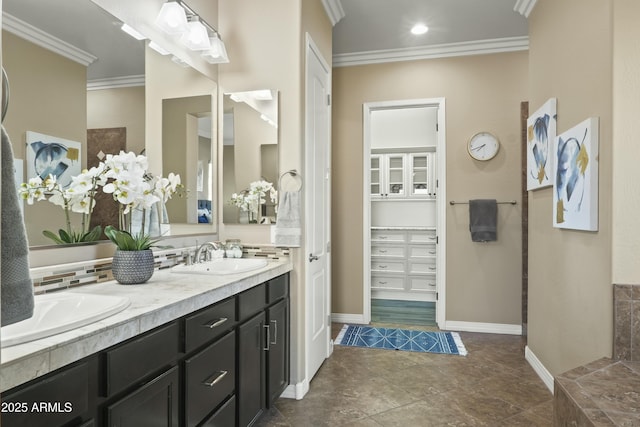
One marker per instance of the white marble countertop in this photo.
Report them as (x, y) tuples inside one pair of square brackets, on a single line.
[(165, 297)]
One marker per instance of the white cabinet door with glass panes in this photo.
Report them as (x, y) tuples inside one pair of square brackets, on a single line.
[(403, 175)]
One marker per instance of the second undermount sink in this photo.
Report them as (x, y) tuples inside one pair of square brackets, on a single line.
[(222, 266), (59, 312)]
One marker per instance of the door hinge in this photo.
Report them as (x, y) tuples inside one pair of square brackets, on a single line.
[(328, 247), (436, 296), (437, 240), (328, 99), (437, 183), (328, 320), (437, 127)]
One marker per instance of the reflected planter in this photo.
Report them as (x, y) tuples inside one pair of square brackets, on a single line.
[(132, 267)]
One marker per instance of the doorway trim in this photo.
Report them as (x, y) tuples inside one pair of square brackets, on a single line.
[(441, 212)]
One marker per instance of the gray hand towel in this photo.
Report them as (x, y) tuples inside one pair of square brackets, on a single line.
[(16, 289), (288, 230), (483, 220)]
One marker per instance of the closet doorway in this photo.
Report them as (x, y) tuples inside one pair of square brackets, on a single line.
[(404, 212)]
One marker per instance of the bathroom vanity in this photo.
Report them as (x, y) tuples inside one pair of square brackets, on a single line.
[(191, 350)]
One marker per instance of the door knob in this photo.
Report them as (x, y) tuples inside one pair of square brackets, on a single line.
[(312, 258)]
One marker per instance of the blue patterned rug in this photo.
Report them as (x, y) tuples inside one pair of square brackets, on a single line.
[(401, 339)]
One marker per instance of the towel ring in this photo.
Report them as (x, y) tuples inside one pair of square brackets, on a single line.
[(295, 175)]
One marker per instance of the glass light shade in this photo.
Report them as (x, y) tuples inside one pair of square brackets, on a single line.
[(217, 54), (172, 18), (196, 37), (132, 32)]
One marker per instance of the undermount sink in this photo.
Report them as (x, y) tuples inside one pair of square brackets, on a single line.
[(59, 312), (222, 266)]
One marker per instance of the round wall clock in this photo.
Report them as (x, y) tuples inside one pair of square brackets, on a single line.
[(483, 146)]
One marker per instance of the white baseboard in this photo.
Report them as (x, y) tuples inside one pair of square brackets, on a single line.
[(487, 328), (348, 318), (539, 368), (296, 391)]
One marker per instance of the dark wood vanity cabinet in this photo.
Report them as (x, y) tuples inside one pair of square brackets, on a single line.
[(263, 348), (220, 366)]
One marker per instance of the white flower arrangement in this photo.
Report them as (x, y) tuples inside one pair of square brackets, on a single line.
[(123, 175), (249, 200)]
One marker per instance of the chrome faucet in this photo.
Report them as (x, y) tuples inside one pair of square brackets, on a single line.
[(206, 249)]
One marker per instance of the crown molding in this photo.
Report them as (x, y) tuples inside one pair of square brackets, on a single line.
[(479, 47), (116, 82), (334, 10), (38, 37), (524, 7)]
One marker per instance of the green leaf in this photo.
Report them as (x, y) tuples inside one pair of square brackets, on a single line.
[(64, 236), (126, 242), (92, 235), (51, 235)]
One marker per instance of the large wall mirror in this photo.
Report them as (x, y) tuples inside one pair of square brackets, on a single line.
[(187, 149), (250, 157)]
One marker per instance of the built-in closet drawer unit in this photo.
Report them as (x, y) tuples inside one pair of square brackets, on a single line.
[(210, 377), (422, 236), (138, 359), (387, 282), (388, 266), (418, 266), (422, 283), (427, 250), (209, 323), (388, 250), (388, 236)]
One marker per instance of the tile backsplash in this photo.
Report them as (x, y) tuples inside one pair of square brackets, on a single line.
[(64, 276)]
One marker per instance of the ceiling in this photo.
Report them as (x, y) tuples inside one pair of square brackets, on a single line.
[(368, 26)]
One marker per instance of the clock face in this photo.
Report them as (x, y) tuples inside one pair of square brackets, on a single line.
[(483, 146)]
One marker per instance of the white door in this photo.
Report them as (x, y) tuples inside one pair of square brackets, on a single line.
[(317, 206)]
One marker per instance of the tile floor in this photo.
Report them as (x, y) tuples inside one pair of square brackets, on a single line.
[(492, 386)]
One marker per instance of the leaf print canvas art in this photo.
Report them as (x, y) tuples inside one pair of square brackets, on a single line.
[(541, 133), (575, 185)]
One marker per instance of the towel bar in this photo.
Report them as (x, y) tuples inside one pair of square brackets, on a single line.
[(294, 173), (510, 202)]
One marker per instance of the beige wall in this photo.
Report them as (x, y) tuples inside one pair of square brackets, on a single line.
[(48, 95), (570, 291), (626, 128), (120, 107), (482, 93)]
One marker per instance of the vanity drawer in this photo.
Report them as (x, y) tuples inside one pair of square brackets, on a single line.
[(225, 416), (209, 378), (251, 302), (277, 288), (67, 392), (209, 323), (387, 236), (130, 362), (387, 266), (387, 250), (387, 282)]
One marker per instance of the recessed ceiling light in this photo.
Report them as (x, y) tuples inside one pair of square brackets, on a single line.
[(419, 29)]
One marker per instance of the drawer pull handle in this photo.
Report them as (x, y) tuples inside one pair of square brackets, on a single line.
[(268, 340), (215, 323), (215, 378), (432, 268), (432, 252), (380, 282), (432, 237), (275, 332), (383, 237), (382, 251), (382, 266)]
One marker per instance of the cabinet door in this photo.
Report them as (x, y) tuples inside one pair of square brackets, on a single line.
[(395, 175), (422, 175), (376, 175), (155, 404), (278, 355), (250, 393)]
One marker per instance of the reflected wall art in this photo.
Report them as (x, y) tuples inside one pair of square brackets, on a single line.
[(575, 185), (49, 155), (541, 134)]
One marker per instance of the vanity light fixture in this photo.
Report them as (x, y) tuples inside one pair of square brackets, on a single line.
[(419, 29), (217, 53), (132, 32), (196, 37), (172, 18)]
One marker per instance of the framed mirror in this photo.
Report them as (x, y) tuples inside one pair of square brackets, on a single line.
[(250, 157), (187, 149)]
